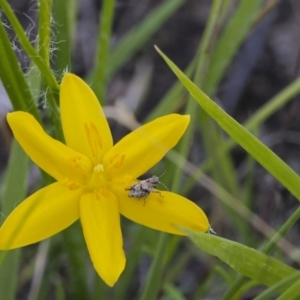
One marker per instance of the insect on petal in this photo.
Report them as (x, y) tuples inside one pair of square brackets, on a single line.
[(164, 211)]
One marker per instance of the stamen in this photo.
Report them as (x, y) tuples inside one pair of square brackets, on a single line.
[(117, 160), (99, 168), (72, 185), (94, 138), (105, 193), (79, 163), (102, 193)]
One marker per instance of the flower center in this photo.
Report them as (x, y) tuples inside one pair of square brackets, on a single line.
[(98, 179)]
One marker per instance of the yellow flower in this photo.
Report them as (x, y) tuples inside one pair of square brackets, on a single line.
[(93, 178)]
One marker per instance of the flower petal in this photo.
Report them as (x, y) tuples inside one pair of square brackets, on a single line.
[(84, 123), (137, 152), (43, 214), (99, 214), (60, 161), (163, 211)]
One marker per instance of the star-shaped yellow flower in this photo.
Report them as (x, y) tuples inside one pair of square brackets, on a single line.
[(93, 178)]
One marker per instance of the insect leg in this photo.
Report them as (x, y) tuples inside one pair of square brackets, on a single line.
[(158, 192)]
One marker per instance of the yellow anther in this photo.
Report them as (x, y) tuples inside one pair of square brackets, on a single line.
[(99, 168), (94, 138)]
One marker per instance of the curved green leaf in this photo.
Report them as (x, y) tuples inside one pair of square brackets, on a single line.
[(248, 261)]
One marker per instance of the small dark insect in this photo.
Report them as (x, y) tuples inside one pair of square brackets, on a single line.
[(143, 188)]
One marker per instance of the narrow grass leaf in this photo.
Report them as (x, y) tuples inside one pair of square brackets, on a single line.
[(65, 18), (75, 248), (267, 158), (173, 292), (268, 293), (103, 49), (154, 278), (141, 33), (293, 293), (220, 59), (133, 254), (15, 187), (13, 78), (45, 29), (174, 98), (230, 41), (46, 72), (48, 76), (273, 105)]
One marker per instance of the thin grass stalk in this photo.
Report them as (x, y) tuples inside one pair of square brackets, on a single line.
[(153, 283), (44, 29), (31, 52), (103, 50)]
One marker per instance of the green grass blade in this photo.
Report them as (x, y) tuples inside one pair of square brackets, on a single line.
[(15, 187), (173, 292), (219, 60), (48, 76), (153, 283), (76, 251), (102, 57), (268, 293), (141, 33), (45, 29), (230, 41), (252, 124), (268, 159), (248, 261), (13, 78), (64, 15), (277, 102), (44, 47), (174, 99), (293, 293), (133, 255)]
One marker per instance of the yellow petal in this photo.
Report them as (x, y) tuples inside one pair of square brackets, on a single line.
[(60, 161), (163, 211), (137, 152), (99, 214), (84, 123), (43, 214)]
